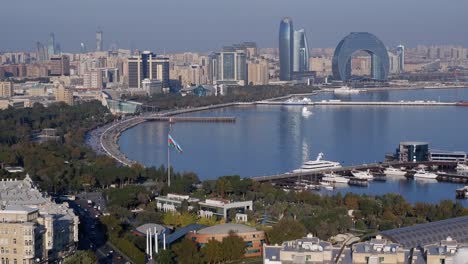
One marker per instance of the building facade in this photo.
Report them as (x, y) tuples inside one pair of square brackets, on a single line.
[(64, 94), (59, 65), (33, 227), (257, 72), (228, 66), (254, 239)]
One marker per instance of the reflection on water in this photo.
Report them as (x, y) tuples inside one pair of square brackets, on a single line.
[(268, 140)]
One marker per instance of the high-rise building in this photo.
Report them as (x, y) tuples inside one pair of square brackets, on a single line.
[(51, 45), (6, 89), (257, 72), (401, 57), (59, 65), (64, 94), (93, 79), (147, 66), (286, 55), (300, 52), (41, 52), (228, 66), (99, 41)]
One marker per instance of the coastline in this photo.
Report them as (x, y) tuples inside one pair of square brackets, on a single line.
[(108, 135)]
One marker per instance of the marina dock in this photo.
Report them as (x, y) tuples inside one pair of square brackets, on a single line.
[(376, 168)]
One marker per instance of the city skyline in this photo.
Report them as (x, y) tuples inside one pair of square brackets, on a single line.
[(324, 29)]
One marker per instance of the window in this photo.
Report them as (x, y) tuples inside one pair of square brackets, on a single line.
[(14, 240)]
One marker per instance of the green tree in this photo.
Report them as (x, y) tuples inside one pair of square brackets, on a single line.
[(186, 252), (212, 252), (233, 247), (165, 257), (81, 257), (286, 229)]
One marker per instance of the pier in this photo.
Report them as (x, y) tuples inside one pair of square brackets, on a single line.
[(219, 119), (348, 103)]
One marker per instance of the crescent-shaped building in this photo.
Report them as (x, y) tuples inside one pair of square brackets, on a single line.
[(360, 41)]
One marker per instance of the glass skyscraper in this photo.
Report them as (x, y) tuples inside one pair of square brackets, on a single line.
[(286, 55), (51, 45), (401, 57), (99, 43), (300, 52)]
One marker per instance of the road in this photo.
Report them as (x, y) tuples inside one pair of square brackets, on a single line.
[(92, 235)]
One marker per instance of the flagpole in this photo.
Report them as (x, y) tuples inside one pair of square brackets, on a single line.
[(168, 158)]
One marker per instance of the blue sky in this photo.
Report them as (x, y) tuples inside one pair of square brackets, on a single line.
[(203, 25)]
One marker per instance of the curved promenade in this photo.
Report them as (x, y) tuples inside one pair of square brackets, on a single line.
[(104, 140), (108, 136)]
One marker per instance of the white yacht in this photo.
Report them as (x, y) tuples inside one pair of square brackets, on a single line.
[(333, 178), (462, 167), (318, 164), (346, 90), (305, 112), (366, 175), (390, 171), (423, 174)]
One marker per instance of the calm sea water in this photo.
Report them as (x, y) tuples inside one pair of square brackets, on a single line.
[(269, 140)]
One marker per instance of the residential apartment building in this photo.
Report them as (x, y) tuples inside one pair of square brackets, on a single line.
[(32, 227), (59, 65), (257, 72), (6, 89), (64, 94)]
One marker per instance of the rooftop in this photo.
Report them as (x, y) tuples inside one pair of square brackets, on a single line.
[(24, 195), (430, 233), (226, 228), (143, 228)]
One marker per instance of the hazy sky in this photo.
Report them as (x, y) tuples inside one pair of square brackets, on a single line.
[(202, 25)]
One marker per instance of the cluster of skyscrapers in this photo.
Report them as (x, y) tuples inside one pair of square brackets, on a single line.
[(293, 50)]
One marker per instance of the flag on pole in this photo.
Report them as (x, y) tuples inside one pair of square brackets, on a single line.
[(172, 143)]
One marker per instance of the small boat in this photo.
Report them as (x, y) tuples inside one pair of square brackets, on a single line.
[(333, 178), (366, 175), (327, 185), (390, 171), (462, 192), (423, 174), (346, 90), (461, 167), (305, 112)]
